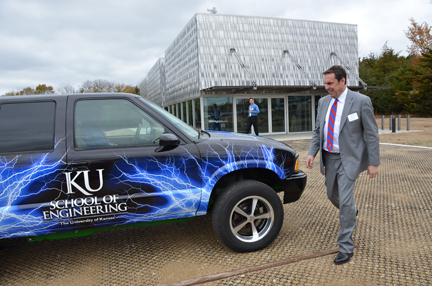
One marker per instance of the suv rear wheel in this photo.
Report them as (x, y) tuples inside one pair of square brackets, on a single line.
[(247, 216)]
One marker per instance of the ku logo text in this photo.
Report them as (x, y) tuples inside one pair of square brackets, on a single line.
[(88, 191)]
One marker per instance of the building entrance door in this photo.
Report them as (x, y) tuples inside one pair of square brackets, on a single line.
[(278, 115), (300, 113), (242, 105)]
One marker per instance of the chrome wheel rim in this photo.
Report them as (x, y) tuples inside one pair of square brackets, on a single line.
[(251, 219)]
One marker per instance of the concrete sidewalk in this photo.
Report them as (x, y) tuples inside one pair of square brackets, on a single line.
[(308, 135)]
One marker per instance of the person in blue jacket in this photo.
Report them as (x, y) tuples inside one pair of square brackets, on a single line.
[(252, 117), (217, 114)]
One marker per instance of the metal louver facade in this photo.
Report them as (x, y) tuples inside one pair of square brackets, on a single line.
[(199, 57)]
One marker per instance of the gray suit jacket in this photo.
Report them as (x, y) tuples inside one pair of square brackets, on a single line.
[(358, 139)]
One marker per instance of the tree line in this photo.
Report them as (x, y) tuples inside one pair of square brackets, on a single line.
[(88, 86), (409, 79)]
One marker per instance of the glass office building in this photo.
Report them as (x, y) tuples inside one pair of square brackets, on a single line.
[(218, 62)]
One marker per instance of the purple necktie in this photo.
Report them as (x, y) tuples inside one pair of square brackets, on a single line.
[(331, 124)]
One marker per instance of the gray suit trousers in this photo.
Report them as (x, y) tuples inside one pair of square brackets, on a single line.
[(340, 191)]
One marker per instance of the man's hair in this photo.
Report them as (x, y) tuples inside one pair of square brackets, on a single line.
[(338, 71), (251, 98)]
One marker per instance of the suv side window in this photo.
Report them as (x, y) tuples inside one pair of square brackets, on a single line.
[(114, 123), (27, 127)]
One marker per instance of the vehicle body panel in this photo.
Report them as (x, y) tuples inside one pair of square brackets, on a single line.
[(73, 188)]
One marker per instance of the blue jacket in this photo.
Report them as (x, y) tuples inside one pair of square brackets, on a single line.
[(216, 114), (255, 109)]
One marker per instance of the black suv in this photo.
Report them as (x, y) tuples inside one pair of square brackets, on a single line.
[(74, 164)]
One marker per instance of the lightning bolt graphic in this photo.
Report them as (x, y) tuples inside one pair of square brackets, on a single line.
[(180, 183), (15, 182)]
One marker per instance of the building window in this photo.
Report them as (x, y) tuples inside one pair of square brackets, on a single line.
[(218, 114), (300, 115), (183, 111), (242, 114), (317, 98), (27, 127), (278, 114), (190, 113), (197, 113), (263, 115)]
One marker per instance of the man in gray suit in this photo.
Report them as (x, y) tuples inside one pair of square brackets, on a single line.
[(346, 133)]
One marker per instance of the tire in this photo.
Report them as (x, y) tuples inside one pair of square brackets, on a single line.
[(234, 223)]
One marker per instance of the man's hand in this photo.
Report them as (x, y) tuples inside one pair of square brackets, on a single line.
[(372, 171), (309, 162)]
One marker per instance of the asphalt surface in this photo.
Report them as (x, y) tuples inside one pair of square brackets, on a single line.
[(393, 234)]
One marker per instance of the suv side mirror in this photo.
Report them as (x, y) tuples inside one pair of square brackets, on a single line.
[(168, 139)]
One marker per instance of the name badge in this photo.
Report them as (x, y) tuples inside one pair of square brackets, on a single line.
[(352, 117)]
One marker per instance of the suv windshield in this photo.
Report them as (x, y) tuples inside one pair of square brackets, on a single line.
[(176, 121)]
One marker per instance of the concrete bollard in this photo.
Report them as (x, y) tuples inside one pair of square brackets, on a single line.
[(390, 122), (399, 122), (408, 122), (382, 122), (393, 121)]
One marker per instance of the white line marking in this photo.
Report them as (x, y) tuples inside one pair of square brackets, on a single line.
[(412, 146)]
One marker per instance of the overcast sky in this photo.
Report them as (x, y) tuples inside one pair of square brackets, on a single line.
[(56, 42)]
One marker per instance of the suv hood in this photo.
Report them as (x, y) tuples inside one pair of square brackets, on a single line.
[(243, 138)]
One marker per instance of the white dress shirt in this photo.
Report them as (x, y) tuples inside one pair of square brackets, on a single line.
[(336, 130)]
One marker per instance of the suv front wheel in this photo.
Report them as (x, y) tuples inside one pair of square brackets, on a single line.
[(247, 216)]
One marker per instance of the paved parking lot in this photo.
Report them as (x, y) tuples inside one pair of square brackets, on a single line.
[(393, 234)]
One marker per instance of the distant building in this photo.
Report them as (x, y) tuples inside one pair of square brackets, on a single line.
[(220, 61)]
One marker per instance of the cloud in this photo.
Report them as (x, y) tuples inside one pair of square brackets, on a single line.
[(53, 42)]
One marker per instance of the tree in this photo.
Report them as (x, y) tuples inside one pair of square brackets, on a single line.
[(97, 85), (88, 86), (44, 89), (420, 76), (40, 89), (385, 70), (101, 85), (65, 88), (27, 91), (120, 87), (420, 36), (126, 88), (418, 98), (10, 93)]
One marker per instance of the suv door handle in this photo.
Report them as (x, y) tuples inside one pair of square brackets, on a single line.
[(84, 166)]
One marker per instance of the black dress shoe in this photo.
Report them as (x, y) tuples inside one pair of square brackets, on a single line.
[(342, 258)]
